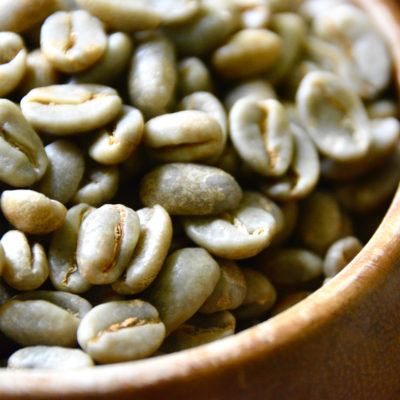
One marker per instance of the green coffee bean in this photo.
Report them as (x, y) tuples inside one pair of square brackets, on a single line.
[(98, 185), (137, 15), (261, 135), (237, 234), (64, 172), (350, 28), (291, 29), (257, 89), (193, 76), (25, 266), (213, 23), (150, 251), (303, 173), (329, 57), (339, 254), (64, 272), (290, 212), (73, 40), (106, 240), (230, 290), (121, 331), (382, 108), (185, 281), (23, 159), (320, 221), (200, 329), (129, 15), (29, 319), (112, 64), (49, 357), (183, 136), (385, 135), (310, 9), (254, 13), (152, 76), (247, 52), (260, 295), (39, 72), (289, 266), (333, 116), (12, 61), (116, 143), (371, 191), (70, 109), (31, 211), (207, 102), (17, 16), (190, 189)]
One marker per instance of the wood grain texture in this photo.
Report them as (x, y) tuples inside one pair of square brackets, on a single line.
[(342, 342)]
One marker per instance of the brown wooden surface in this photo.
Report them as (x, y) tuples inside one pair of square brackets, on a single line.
[(342, 342)]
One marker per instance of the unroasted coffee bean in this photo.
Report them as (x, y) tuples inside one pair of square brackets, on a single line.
[(39, 72), (256, 88), (193, 76), (128, 15), (29, 319), (185, 281), (31, 211), (49, 357), (200, 329), (207, 102), (112, 63), (237, 234), (25, 266), (12, 61), (382, 108), (116, 143), (303, 172), (98, 185), (254, 13), (339, 254), (230, 290), (152, 76), (183, 136), (106, 240), (334, 116), (214, 22), (64, 272), (385, 135), (260, 295), (18, 15), (291, 29), (247, 52), (371, 191), (190, 189), (121, 331), (261, 134), (64, 172), (150, 251), (70, 109), (72, 41), (351, 29), (137, 15), (289, 266), (320, 221), (23, 159)]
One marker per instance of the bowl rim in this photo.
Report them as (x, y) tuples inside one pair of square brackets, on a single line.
[(374, 262)]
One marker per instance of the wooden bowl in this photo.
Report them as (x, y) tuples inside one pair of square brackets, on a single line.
[(342, 342)]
